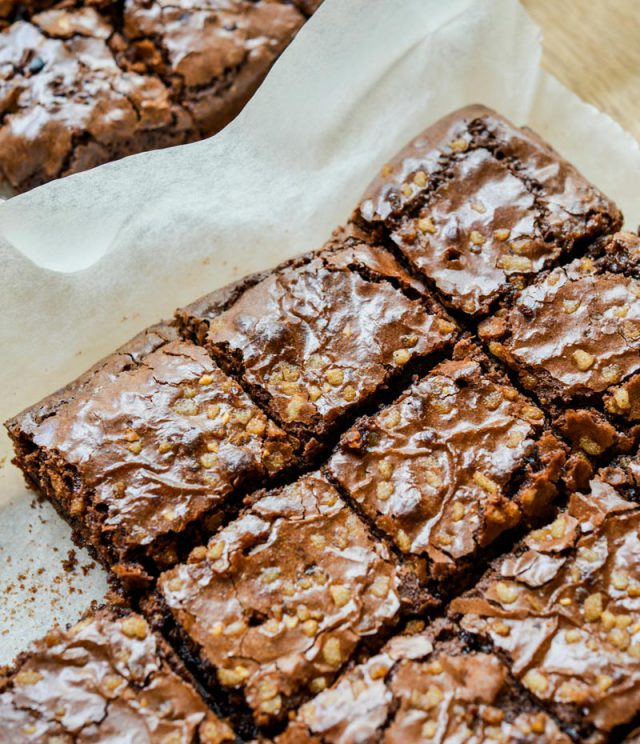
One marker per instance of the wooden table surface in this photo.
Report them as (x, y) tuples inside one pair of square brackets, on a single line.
[(593, 47)]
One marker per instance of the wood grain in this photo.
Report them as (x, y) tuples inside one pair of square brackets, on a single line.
[(593, 47)]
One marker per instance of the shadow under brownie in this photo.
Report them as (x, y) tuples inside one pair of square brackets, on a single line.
[(149, 450), (107, 679)]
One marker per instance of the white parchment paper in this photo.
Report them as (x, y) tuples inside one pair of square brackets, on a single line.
[(88, 261)]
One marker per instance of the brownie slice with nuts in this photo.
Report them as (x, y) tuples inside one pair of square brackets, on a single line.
[(280, 599), (479, 206), (573, 338), (144, 452), (107, 679), (317, 338), (454, 462), (424, 687), (564, 608)]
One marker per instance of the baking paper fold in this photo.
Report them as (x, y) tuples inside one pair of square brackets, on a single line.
[(87, 261)]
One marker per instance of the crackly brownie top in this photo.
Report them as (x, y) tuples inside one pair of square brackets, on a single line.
[(65, 102), (413, 693), (576, 330), (566, 608), (474, 202), (317, 340), (437, 469), (279, 599), (211, 49), (160, 443), (106, 679)]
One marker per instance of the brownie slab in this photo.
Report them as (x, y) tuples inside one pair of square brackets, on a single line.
[(107, 679), (458, 459), (478, 206), (279, 600), (147, 448), (315, 339), (565, 609), (421, 690)]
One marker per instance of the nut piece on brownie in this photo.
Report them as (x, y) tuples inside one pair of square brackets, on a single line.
[(107, 675), (278, 600), (419, 689), (144, 450), (456, 460), (478, 206), (315, 339), (564, 607)]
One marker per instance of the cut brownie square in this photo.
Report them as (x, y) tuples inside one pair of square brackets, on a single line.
[(458, 459), (573, 338), (107, 679), (144, 451), (564, 608), (479, 206), (314, 340), (421, 689), (281, 598)]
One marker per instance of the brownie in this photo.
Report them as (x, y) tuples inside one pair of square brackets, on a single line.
[(314, 340), (478, 206), (146, 449), (573, 338), (456, 460), (420, 690), (84, 85), (107, 679), (281, 598), (564, 608)]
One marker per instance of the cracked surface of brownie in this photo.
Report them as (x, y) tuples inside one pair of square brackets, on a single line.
[(422, 689), (478, 206), (459, 458), (564, 608), (147, 448), (82, 85), (315, 339), (279, 600), (108, 678)]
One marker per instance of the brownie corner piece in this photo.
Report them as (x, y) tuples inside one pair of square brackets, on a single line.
[(456, 460), (564, 609), (107, 674), (146, 449), (280, 599), (478, 206), (320, 336), (421, 687)]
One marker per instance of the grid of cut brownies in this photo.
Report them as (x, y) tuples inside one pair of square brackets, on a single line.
[(84, 83), (326, 490)]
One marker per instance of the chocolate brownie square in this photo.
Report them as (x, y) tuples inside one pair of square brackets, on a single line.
[(319, 337), (564, 608), (458, 459), (479, 206), (573, 338), (418, 690), (280, 599), (147, 449), (107, 679)]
